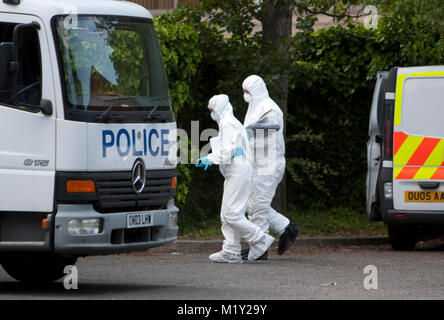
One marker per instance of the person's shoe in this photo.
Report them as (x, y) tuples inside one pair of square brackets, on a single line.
[(260, 247), (227, 257), (244, 254), (288, 237)]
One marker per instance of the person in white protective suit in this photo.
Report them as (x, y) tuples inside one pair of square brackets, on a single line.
[(232, 156), (265, 126)]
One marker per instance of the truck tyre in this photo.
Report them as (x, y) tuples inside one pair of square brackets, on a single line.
[(403, 238), (36, 268)]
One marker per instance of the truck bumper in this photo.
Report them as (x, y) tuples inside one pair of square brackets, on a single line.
[(400, 217), (114, 237)]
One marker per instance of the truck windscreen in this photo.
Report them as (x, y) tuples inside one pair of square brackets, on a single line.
[(111, 66)]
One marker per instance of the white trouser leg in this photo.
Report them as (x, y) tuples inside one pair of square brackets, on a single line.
[(277, 221), (259, 207), (232, 241), (234, 203)]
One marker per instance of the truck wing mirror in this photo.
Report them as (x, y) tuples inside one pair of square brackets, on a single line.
[(6, 65), (46, 107)]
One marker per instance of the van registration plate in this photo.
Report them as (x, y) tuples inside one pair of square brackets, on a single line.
[(424, 196), (138, 220)]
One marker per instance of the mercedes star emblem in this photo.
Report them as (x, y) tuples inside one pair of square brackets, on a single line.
[(138, 176)]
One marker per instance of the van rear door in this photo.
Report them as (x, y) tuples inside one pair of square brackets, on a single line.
[(374, 142), (418, 141)]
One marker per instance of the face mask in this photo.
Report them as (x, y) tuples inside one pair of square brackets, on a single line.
[(247, 97), (214, 116)]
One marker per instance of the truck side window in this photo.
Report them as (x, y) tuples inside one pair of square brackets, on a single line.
[(6, 30), (30, 71)]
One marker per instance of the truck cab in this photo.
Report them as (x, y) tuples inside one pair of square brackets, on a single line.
[(88, 135), (405, 153)]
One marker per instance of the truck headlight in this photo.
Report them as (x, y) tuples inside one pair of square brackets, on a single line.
[(85, 226), (388, 190), (173, 220)]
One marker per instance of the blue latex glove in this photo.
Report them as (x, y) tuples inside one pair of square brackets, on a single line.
[(204, 162)]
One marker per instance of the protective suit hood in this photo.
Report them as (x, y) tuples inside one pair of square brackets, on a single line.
[(256, 86), (234, 139), (256, 108), (221, 105)]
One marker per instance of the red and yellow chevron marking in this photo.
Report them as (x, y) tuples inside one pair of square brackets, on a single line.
[(417, 158)]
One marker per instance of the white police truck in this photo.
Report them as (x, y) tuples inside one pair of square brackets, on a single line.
[(87, 135)]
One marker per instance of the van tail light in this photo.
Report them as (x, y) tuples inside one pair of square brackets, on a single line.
[(388, 139)]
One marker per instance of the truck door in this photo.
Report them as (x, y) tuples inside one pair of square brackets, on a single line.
[(374, 142), (418, 147), (27, 136)]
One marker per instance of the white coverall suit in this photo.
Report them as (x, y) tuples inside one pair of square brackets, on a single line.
[(268, 148), (234, 164)]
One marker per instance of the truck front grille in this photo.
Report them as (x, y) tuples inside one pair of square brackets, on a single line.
[(116, 191)]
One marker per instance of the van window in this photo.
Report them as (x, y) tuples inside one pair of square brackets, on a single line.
[(381, 99), (423, 107), (30, 71)]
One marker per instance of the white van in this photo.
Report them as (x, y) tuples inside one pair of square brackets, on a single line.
[(405, 153), (87, 135)]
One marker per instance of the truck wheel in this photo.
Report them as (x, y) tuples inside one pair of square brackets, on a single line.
[(403, 238), (36, 268)]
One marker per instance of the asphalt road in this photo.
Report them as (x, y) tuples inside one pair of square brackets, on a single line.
[(327, 273)]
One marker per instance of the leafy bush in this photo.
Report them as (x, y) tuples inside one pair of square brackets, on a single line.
[(331, 95)]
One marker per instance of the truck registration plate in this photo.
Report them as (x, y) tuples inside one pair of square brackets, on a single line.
[(138, 220)]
